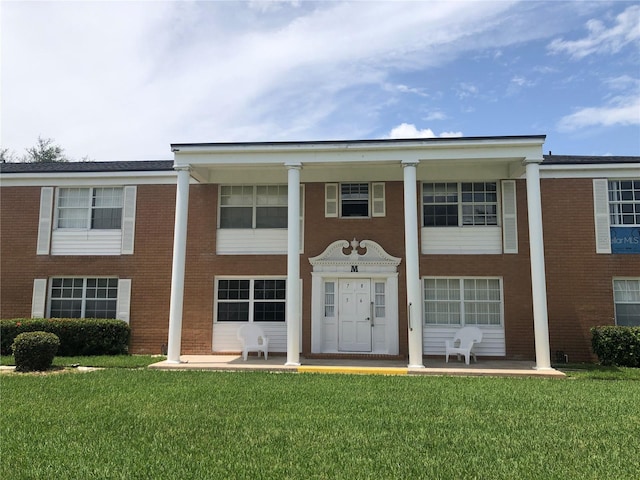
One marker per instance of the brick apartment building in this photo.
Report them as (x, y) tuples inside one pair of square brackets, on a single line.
[(392, 246)]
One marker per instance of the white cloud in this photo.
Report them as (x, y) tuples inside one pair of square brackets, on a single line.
[(122, 80), (409, 130), (621, 111), (600, 39), (434, 115), (465, 90)]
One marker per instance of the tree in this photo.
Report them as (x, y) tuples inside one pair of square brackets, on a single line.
[(45, 151), (7, 155)]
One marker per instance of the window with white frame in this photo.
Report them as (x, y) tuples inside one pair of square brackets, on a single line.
[(98, 208), (626, 296), (459, 204), (253, 206), (355, 200), (251, 300), (462, 301), (329, 299), (624, 202), (73, 297)]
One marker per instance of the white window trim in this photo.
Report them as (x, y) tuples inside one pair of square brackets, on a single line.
[(615, 304), (619, 202), (84, 291), (333, 200), (460, 203), (462, 300), (89, 208), (251, 298), (254, 205)]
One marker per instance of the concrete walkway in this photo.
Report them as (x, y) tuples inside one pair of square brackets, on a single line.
[(494, 368)]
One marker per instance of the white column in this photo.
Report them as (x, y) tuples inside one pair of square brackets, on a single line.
[(178, 267), (414, 297), (293, 264), (538, 281)]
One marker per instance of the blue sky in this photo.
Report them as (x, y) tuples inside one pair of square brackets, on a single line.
[(123, 80)]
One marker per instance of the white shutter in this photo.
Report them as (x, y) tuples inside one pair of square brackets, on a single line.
[(128, 220), (601, 215), (378, 208), (44, 223), (124, 299), (509, 217), (39, 298), (331, 200)]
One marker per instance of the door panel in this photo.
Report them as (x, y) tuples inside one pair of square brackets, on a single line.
[(354, 315)]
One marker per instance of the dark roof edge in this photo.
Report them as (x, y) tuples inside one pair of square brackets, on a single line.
[(88, 167), (587, 159)]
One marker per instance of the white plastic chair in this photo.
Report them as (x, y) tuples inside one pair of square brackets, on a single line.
[(463, 343), (253, 339)]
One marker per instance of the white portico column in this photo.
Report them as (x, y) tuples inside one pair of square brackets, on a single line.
[(538, 281), (293, 264), (414, 297), (177, 270)]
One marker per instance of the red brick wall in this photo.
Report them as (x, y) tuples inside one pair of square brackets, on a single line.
[(578, 281)]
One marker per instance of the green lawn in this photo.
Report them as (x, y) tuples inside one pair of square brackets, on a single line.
[(130, 424), (101, 361)]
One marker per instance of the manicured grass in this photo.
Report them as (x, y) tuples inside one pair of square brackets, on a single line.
[(129, 424), (101, 361)]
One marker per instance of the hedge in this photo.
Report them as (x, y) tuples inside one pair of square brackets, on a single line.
[(616, 345), (34, 351), (78, 336)]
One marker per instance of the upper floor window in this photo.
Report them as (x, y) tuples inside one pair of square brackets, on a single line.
[(349, 200), (90, 208), (459, 204), (354, 199), (624, 202), (253, 206), (83, 297)]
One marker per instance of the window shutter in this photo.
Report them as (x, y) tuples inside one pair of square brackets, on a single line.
[(331, 200), (124, 299), (601, 215), (44, 223), (39, 298), (128, 220), (509, 217), (377, 199)]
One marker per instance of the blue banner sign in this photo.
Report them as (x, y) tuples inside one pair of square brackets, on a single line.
[(625, 239)]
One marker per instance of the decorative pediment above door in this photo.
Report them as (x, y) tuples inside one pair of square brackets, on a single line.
[(355, 257)]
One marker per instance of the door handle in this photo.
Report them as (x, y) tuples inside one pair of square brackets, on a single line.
[(371, 316)]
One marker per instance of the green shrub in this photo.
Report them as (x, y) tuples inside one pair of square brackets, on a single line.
[(78, 336), (34, 351), (617, 345)]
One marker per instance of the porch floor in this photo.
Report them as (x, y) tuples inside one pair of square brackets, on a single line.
[(433, 366)]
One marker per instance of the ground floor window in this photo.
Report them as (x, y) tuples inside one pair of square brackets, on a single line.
[(462, 301), (626, 295), (250, 300), (83, 297)]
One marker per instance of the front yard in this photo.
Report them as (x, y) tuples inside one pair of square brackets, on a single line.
[(130, 423)]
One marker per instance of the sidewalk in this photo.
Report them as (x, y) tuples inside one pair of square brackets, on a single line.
[(496, 368)]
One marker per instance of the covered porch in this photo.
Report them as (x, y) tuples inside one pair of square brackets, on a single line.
[(296, 164)]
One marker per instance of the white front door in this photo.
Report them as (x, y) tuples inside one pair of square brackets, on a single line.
[(354, 315)]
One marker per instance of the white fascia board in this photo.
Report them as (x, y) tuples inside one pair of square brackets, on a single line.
[(58, 179), (491, 149), (609, 170)]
